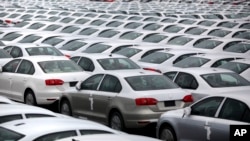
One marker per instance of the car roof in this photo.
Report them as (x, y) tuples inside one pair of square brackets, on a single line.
[(25, 45), (200, 70), (52, 124), (40, 58), (216, 55), (22, 108), (130, 73)]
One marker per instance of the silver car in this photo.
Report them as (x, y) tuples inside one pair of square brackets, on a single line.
[(207, 119), (124, 99)]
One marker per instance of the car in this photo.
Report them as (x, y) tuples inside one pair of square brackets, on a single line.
[(22, 111), (39, 79), (159, 60), (206, 60), (131, 98), (51, 129), (240, 66), (98, 62), (30, 49), (4, 57), (206, 81), (110, 137), (208, 119)]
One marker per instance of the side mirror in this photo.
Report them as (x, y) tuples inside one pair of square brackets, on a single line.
[(78, 86), (187, 111)]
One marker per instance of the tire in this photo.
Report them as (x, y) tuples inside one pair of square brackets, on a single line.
[(30, 98), (167, 134), (116, 121), (65, 108)]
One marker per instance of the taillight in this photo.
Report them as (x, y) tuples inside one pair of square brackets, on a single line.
[(188, 98), (51, 82), (68, 56), (145, 101), (151, 69), (8, 21)]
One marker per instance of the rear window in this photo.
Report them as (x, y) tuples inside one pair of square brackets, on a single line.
[(235, 66), (59, 66), (150, 82), (219, 80), (117, 64), (191, 62), (156, 57)]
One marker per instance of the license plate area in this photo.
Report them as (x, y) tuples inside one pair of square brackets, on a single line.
[(169, 103)]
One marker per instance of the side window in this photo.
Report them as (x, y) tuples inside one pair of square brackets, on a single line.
[(37, 115), (92, 82), (75, 59), (186, 81), (110, 84), (87, 132), (56, 136), (4, 119), (8, 49), (171, 75), (235, 110), (16, 52), (11, 66), (26, 67), (86, 64), (207, 107)]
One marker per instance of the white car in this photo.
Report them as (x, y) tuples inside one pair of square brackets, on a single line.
[(50, 129), (30, 49), (98, 62), (159, 60), (17, 111), (204, 81), (109, 137), (39, 79)]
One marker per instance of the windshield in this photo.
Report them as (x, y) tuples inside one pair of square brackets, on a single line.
[(117, 64)]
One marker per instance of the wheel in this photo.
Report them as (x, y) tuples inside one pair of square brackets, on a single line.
[(30, 98), (167, 134), (65, 108), (116, 121)]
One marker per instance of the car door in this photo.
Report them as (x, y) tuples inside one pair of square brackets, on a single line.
[(197, 126), (23, 76), (83, 101), (6, 77), (108, 90), (233, 112)]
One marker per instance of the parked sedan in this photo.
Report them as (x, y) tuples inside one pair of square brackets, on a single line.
[(124, 99), (50, 129), (207, 119), (202, 82), (39, 79), (98, 62), (29, 49)]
